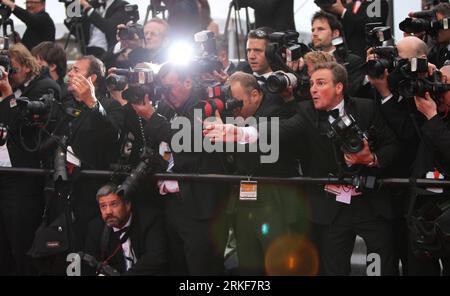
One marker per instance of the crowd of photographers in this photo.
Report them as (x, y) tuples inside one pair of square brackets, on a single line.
[(346, 106)]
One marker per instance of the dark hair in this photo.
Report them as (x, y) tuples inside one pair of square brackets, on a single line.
[(338, 72), (52, 53), (332, 20), (96, 67), (443, 8), (221, 44), (260, 33), (205, 14)]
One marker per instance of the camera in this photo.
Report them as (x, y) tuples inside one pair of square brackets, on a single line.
[(219, 98), (325, 3), (5, 13), (206, 61), (387, 60), (150, 162), (341, 52), (140, 82), (346, 131), (279, 81), (132, 28), (286, 46), (97, 3), (36, 110), (5, 66), (414, 80), (123, 77), (377, 35), (424, 21)]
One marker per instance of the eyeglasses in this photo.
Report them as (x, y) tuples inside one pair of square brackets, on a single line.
[(260, 34)]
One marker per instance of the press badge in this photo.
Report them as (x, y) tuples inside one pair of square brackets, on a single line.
[(436, 175), (248, 190)]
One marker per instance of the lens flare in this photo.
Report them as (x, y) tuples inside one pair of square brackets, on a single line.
[(292, 255)]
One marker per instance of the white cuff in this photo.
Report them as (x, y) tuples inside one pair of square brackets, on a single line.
[(384, 100), (249, 135)]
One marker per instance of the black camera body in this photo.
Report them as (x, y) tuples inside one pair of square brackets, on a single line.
[(341, 52), (424, 21), (206, 61), (5, 13), (123, 77), (388, 56), (140, 81), (5, 66), (151, 162), (416, 82), (286, 46), (378, 35), (219, 98), (132, 29), (348, 134), (36, 110)]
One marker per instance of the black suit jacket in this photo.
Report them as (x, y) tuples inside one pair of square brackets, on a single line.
[(278, 15), (434, 149), (148, 241), (10, 115), (115, 15), (40, 27), (201, 199), (356, 74), (438, 55), (320, 160), (354, 25)]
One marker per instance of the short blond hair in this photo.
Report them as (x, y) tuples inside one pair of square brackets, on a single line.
[(315, 57)]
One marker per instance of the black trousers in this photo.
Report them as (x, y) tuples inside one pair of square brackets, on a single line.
[(335, 242), (21, 207), (196, 246), (256, 229)]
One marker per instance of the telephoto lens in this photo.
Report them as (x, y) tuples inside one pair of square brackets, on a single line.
[(279, 81)]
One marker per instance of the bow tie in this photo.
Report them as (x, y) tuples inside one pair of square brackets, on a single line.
[(261, 79), (325, 114)]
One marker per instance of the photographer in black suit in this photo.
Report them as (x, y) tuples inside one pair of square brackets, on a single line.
[(132, 240), (338, 213), (194, 210), (21, 201), (278, 206), (100, 25), (432, 162), (325, 28), (354, 15), (278, 15), (440, 53), (91, 138), (40, 26)]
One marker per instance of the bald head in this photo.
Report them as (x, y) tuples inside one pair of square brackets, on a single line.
[(445, 71), (412, 47)]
